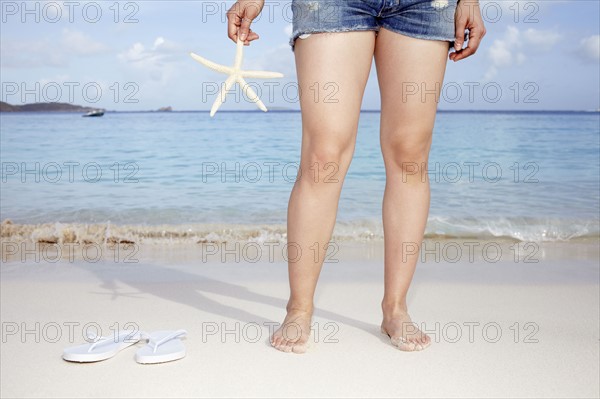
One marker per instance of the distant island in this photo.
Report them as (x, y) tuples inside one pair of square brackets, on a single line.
[(43, 107), (58, 107)]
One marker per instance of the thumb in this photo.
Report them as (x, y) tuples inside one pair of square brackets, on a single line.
[(245, 28), (459, 36)]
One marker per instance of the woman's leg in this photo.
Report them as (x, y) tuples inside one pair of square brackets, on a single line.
[(332, 73), (406, 65)]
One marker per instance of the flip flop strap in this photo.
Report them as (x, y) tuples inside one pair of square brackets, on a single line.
[(173, 335), (99, 340)]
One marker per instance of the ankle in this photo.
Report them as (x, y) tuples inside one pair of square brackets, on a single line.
[(394, 308), (298, 306)]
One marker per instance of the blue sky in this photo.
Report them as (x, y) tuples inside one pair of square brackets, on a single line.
[(133, 55)]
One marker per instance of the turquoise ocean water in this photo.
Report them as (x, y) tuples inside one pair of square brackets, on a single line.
[(531, 176)]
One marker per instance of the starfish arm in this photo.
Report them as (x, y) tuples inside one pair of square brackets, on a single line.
[(261, 74), (251, 94), (221, 96), (239, 55), (212, 65)]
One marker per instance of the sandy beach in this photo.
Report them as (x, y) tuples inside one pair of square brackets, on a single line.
[(503, 329), (159, 215)]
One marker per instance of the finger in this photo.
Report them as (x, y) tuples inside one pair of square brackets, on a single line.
[(248, 41), (233, 22), (245, 28), (474, 41), (252, 36), (459, 35)]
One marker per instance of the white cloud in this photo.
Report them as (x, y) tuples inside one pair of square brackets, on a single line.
[(589, 48), (512, 48), (49, 52), (504, 52), (133, 54), (160, 51), (543, 40), (60, 79), (500, 55), (165, 46), (77, 43), (30, 54), (157, 60), (289, 30)]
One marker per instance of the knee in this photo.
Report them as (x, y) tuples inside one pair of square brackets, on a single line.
[(326, 160), (321, 154), (401, 151)]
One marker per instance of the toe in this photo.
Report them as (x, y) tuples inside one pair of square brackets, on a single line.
[(279, 347), (404, 345), (286, 346), (281, 344), (301, 348), (409, 347), (276, 341), (427, 342)]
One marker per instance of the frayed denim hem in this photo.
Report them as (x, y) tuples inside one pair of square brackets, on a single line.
[(419, 36), (299, 33)]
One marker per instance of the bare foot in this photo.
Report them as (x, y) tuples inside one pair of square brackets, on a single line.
[(293, 334), (403, 333)]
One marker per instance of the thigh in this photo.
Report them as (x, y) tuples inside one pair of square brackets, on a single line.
[(333, 69), (411, 74)]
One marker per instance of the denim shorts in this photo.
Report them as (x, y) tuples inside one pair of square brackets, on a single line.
[(422, 19)]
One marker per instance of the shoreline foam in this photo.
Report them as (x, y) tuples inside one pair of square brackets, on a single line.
[(505, 229)]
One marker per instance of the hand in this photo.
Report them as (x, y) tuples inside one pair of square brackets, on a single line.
[(239, 18), (467, 16)]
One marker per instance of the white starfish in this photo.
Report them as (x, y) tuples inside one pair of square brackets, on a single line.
[(236, 74)]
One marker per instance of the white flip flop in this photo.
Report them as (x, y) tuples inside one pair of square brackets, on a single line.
[(162, 346), (101, 348)]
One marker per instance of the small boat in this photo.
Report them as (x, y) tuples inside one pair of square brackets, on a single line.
[(96, 112)]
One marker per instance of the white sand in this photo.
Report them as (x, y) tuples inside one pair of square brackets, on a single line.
[(559, 298)]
